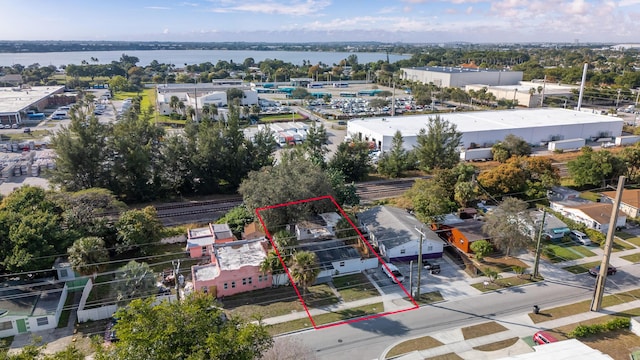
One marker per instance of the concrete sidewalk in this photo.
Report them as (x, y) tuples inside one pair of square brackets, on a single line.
[(519, 326)]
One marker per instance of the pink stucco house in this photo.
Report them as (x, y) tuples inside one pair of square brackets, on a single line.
[(200, 241), (234, 268)]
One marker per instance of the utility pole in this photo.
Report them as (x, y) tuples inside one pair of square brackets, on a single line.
[(596, 303), (536, 263), (417, 296), (176, 272), (411, 277)]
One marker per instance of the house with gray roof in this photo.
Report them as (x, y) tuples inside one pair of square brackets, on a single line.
[(336, 257), (397, 234), (30, 307)]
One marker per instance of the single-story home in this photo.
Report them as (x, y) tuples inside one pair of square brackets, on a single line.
[(336, 258), (30, 307), (629, 203), (397, 234), (461, 233), (554, 228), (321, 227), (592, 214)]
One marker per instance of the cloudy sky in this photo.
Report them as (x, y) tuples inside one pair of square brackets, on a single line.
[(410, 21)]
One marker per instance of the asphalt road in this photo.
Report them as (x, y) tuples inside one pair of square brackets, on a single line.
[(368, 339)]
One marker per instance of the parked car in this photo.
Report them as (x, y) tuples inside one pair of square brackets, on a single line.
[(594, 271), (26, 130), (393, 273), (580, 237), (433, 268), (543, 337)]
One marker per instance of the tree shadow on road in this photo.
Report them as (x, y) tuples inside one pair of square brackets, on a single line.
[(382, 325)]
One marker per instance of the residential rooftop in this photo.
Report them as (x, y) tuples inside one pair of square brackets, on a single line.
[(394, 226), (234, 255), (330, 251)]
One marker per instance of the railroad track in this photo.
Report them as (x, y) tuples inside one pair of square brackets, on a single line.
[(171, 214)]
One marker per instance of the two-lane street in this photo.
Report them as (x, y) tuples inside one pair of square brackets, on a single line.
[(368, 339)]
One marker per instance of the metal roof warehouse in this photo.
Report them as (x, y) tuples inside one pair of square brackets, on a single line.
[(16, 101), (484, 128)]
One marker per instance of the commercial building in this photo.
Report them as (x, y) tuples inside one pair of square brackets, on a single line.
[(527, 93), (198, 95), (485, 128), (16, 101), (443, 76)]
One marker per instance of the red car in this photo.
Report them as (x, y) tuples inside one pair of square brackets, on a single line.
[(543, 337)]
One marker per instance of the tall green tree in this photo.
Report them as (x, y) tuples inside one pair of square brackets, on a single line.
[(137, 229), (88, 255), (195, 328), (81, 152), (396, 161), (315, 144), (438, 145), (594, 167), (294, 178), (430, 200), (134, 281), (136, 166), (304, 269), (352, 159), (505, 225)]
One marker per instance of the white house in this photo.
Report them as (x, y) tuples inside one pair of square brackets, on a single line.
[(593, 215), (336, 258), (554, 228), (397, 234)]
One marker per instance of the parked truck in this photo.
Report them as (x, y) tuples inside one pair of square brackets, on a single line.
[(564, 145), (627, 140), (476, 154)]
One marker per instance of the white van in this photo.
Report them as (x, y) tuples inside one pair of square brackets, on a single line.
[(390, 269), (580, 237)]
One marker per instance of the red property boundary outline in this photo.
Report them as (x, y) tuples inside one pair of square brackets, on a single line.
[(380, 260)]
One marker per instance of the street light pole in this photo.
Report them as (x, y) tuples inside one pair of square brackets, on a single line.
[(536, 263), (417, 296)]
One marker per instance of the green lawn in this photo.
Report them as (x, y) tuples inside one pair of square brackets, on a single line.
[(281, 118), (634, 240), (559, 253), (581, 268), (271, 302), (421, 343), (354, 287), (35, 134), (327, 318), (583, 306), (148, 97), (623, 235), (634, 258), (428, 298), (619, 245), (504, 283)]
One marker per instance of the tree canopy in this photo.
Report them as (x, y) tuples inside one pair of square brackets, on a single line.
[(195, 328), (438, 145), (507, 224)]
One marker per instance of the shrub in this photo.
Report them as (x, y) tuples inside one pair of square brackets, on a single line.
[(582, 331)]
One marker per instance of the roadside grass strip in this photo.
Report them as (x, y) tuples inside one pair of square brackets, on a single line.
[(634, 258), (488, 328), (354, 287), (581, 268), (498, 345), (421, 343), (503, 283), (328, 318)]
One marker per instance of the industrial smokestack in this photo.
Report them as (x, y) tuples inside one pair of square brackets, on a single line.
[(584, 79)]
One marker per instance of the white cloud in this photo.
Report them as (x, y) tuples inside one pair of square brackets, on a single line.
[(157, 8), (271, 7), (165, 31)]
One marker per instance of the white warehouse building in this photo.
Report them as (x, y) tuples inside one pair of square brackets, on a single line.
[(443, 76), (485, 128), (198, 95)]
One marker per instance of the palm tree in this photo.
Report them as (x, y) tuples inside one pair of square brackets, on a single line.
[(214, 111), (88, 255), (191, 112), (272, 265), (205, 110), (173, 103), (134, 280), (304, 269), (182, 107)]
